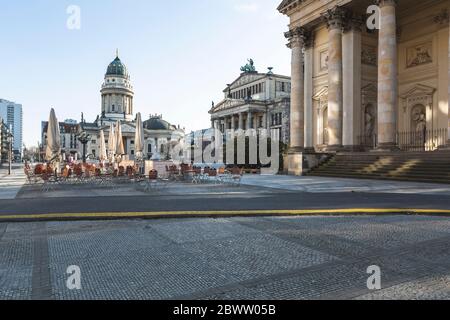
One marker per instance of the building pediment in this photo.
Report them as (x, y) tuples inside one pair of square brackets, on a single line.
[(418, 90), (285, 4), (244, 79), (227, 104), (128, 128)]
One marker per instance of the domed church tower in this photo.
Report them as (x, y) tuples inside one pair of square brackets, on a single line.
[(117, 93)]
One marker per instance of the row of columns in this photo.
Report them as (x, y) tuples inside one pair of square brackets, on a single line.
[(344, 80), (125, 102), (250, 123)]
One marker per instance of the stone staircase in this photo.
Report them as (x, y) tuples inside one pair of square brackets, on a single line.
[(407, 166)]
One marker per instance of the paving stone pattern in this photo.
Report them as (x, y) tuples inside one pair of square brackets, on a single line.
[(234, 258)]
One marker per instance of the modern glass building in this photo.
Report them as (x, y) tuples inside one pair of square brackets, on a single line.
[(12, 115)]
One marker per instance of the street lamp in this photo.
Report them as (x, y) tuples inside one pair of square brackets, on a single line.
[(84, 139), (10, 142)]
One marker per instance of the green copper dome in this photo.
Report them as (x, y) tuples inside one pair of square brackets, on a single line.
[(117, 68), (156, 123)]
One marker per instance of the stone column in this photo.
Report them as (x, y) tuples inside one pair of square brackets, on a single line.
[(216, 124), (387, 76), (351, 66), (233, 128), (241, 121), (249, 120), (334, 20), (309, 62), (296, 43)]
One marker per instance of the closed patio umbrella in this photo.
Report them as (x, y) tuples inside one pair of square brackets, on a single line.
[(103, 155), (112, 143), (139, 138), (120, 150), (53, 151)]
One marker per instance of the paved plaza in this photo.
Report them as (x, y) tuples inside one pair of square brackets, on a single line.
[(239, 258), (10, 185), (309, 257), (15, 187), (343, 185)]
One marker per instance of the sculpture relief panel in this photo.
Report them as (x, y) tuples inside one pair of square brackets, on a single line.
[(419, 54)]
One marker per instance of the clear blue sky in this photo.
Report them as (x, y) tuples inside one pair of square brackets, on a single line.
[(180, 54)]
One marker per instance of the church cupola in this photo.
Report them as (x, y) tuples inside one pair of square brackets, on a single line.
[(117, 92)]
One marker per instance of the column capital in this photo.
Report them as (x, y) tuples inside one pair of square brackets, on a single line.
[(335, 17), (296, 37), (383, 3), (353, 24)]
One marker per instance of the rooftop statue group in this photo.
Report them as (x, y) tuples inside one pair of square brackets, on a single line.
[(249, 67)]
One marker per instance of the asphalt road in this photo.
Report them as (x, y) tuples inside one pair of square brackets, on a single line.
[(265, 201), (249, 258)]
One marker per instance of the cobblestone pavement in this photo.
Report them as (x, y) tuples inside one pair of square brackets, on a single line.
[(235, 258), (11, 185), (343, 185)]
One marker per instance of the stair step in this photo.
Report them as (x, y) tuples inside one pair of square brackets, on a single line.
[(415, 166), (432, 180)]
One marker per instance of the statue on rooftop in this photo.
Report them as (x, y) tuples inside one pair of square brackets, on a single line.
[(249, 67)]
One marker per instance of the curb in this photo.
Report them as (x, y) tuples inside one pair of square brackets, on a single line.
[(217, 214)]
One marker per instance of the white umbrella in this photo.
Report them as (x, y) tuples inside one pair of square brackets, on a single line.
[(103, 155), (53, 151), (120, 150), (139, 138), (112, 143)]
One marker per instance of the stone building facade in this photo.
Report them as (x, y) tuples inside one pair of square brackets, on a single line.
[(259, 101), (355, 87), (4, 141), (12, 115), (68, 131), (117, 104)]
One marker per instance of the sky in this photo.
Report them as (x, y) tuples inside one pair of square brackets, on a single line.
[(180, 54)]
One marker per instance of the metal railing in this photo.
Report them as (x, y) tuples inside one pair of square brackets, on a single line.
[(368, 142), (426, 140)]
